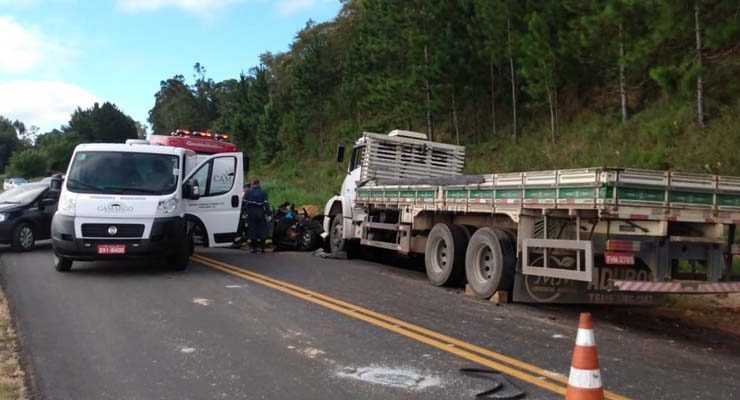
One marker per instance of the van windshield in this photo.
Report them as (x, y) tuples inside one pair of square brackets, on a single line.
[(123, 173)]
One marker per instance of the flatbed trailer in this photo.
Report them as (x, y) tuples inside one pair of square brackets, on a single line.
[(590, 235)]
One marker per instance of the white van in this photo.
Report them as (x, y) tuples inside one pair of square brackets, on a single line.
[(134, 200)]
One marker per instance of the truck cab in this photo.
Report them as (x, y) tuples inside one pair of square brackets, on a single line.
[(135, 200), (339, 211)]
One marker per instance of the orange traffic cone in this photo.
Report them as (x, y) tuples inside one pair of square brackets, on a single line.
[(584, 382)]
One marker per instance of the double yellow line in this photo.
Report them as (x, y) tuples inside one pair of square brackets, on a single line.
[(526, 372)]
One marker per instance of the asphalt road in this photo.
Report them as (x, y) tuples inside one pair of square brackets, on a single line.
[(294, 326)]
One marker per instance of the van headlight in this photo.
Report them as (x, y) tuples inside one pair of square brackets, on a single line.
[(3, 217), (67, 204), (167, 206)]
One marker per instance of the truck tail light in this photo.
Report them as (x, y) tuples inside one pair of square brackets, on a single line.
[(623, 245)]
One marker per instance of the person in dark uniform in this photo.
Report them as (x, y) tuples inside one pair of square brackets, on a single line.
[(257, 216), (241, 230)]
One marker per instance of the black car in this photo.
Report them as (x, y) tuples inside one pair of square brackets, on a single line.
[(25, 214)]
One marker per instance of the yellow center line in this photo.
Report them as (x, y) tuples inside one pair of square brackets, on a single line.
[(546, 379)]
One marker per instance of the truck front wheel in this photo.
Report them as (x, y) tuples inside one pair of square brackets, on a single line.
[(337, 242), (490, 262), (444, 255)]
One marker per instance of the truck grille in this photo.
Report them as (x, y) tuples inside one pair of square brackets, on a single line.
[(122, 230)]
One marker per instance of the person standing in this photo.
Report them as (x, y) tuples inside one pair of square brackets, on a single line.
[(241, 230), (257, 216)]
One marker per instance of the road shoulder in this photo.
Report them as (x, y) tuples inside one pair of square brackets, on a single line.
[(12, 376)]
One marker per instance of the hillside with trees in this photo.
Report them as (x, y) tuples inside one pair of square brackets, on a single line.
[(525, 85)]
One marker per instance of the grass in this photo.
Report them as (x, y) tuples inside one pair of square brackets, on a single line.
[(11, 375)]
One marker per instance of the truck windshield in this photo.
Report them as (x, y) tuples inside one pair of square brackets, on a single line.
[(123, 173)]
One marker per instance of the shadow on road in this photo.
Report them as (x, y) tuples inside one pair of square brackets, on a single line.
[(127, 268)]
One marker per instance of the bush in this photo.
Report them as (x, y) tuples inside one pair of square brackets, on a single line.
[(28, 163)]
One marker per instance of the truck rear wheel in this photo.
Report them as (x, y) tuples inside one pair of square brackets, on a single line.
[(489, 262), (444, 255)]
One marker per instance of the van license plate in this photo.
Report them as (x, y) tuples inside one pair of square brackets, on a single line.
[(111, 249)]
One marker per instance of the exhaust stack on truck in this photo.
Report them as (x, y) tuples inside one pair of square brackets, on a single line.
[(590, 235)]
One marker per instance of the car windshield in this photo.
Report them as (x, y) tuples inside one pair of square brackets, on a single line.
[(19, 180), (123, 173), (21, 194)]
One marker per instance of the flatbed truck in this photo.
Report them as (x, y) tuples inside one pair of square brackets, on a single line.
[(590, 235)]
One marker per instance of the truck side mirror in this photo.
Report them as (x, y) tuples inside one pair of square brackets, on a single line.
[(191, 190), (340, 152)]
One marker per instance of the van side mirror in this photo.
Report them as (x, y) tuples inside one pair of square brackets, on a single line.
[(191, 190), (340, 152), (246, 164)]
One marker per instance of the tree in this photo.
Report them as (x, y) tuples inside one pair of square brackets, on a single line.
[(104, 123), (611, 37), (9, 142), (541, 63), (176, 107), (58, 146), (29, 163), (489, 33)]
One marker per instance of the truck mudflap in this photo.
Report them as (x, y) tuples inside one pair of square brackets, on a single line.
[(685, 287), (543, 289)]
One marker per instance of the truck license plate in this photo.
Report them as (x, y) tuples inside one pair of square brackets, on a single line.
[(618, 258), (111, 249)]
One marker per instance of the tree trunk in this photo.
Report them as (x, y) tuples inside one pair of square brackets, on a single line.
[(493, 100), (622, 88), (513, 79), (454, 118), (321, 123), (699, 82), (552, 114), (428, 90), (557, 111)]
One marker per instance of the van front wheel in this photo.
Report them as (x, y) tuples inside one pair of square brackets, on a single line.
[(180, 260), (62, 264)]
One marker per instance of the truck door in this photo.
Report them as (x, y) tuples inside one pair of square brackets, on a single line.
[(220, 180)]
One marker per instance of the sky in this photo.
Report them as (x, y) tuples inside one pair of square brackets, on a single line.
[(57, 55)]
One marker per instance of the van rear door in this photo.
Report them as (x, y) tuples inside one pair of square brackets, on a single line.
[(220, 180)]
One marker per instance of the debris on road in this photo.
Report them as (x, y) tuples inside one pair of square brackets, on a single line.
[(400, 378), (502, 388), (324, 254), (202, 302)]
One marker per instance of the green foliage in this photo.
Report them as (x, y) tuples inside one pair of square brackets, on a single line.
[(177, 106), (386, 64), (9, 142), (58, 147), (106, 124), (29, 163)]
